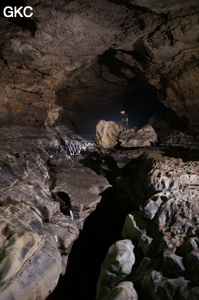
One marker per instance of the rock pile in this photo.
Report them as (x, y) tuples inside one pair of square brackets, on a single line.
[(138, 137), (164, 230), (110, 134), (177, 138)]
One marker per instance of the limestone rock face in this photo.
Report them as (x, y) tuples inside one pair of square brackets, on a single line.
[(138, 137), (166, 227), (37, 230), (106, 134), (73, 60), (31, 255), (163, 6), (177, 138), (83, 187), (162, 223)]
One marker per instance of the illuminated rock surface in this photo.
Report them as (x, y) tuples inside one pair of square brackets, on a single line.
[(107, 134), (138, 137), (36, 237)]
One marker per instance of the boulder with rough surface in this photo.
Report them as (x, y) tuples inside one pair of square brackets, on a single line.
[(106, 134), (137, 137)]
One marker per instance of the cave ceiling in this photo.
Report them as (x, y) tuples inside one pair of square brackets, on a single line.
[(72, 61)]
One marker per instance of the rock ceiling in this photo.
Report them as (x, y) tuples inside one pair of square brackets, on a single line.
[(72, 61)]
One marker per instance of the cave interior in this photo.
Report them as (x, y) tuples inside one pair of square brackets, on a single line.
[(70, 65)]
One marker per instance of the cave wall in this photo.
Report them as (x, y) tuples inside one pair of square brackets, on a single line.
[(74, 59)]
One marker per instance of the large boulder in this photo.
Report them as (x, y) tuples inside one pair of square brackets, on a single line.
[(110, 134), (106, 134), (37, 230), (137, 137)]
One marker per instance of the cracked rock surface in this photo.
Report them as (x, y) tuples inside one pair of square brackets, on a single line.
[(163, 227), (36, 233)]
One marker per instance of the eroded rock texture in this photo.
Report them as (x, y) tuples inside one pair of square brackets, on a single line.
[(70, 64), (45, 199), (107, 135), (138, 137), (110, 135), (117, 265), (163, 225), (74, 59)]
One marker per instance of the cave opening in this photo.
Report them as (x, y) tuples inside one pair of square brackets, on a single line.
[(109, 86), (141, 105)]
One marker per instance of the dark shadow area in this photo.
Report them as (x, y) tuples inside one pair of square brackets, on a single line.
[(101, 229), (64, 200), (130, 6), (140, 101), (104, 226), (141, 105), (24, 23), (63, 196), (180, 152)]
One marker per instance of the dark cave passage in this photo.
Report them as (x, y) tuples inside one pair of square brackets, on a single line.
[(103, 227), (141, 105)]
